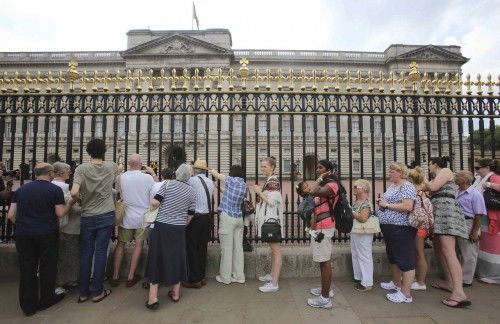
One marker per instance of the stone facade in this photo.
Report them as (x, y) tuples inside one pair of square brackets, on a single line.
[(212, 48)]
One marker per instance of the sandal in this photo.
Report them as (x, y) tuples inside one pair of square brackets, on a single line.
[(171, 295), (153, 306), (459, 304), (82, 300), (106, 292), (437, 285)]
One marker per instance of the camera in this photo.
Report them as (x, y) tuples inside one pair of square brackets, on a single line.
[(318, 237)]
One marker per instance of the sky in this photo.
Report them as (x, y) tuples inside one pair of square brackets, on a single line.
[(350, 25)]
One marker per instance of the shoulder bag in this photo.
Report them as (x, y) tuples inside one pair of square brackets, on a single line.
[(151, 214), (370, 226)]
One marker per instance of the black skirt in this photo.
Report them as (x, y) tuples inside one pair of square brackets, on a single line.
[(167, 254)]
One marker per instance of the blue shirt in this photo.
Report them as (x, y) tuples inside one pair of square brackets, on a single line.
[(233, 197), (396, 195), (36, 202), (472, 202)]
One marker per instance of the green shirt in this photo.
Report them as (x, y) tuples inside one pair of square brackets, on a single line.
[(96, 187)]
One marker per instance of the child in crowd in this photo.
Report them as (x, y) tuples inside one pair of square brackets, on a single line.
[(416, 176), (306, 208)]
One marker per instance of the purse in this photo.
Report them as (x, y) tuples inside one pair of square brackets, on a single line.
[(422, 215), (248, 206), (491, 199), (119, 212), (271, 231), (371, 226), (151, 214)]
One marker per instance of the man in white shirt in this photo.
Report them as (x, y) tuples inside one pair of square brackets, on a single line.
[(198, 230), (135, 187)]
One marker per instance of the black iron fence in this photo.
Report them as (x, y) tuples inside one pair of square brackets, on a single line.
[(360, 130)]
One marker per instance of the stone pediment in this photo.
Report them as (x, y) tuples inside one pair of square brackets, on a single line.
[(431, 53), (176, 45)]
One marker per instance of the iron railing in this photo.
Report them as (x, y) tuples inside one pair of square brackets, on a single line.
[(361, 129)]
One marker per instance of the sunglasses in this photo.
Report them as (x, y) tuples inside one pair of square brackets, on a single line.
[(477, 168)]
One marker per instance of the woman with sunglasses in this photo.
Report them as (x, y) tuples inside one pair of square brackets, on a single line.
[(488, 263), (361, 242)]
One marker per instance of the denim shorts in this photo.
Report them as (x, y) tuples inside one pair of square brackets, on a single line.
[(400, 245)]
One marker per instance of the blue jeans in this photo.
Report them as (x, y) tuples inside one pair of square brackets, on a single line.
[(95, 233)]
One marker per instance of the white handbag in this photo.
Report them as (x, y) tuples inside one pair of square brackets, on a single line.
[(371, 226), (151, 214)]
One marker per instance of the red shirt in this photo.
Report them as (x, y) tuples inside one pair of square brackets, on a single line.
[(328, 222)]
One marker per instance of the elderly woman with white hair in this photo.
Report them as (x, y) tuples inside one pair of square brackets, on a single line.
[(167, 263), (68, 265)]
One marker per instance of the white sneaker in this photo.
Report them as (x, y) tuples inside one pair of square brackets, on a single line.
[(266, 278), (241, 281), (320, 302), (416, 286), (269, 287), (59, 291), (389, 286), (398, 297), (317, 292), (219, 279)]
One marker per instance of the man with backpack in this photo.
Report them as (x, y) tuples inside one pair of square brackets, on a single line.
[(325, 190)]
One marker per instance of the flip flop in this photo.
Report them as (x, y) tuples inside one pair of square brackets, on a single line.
[(171, 295), (438, 286), (107, 292), (80, 300), (459, 304)]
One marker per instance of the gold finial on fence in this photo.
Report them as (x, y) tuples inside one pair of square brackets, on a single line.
[(106, 80), (359, 79), (139, 79), (325, 79), (162, 80), (435, 83), (218, 79), (347, 80), (207, 78), (402, 82), (230, 78), (185, 79), (489, 84), (392, 82), (94, 82), (291, 79), (268, 79), (256, 79), (479, 84), (196, 79), (128, 80), (425, 83), (381, 82), (468, 84), (446, 81), (458, 84), (84, 81), (73, 74), (302, 79), (337, 80), (244, 72), (370, 81), (414, 75)]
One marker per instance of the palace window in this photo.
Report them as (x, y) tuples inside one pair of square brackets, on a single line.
[(262, 127), (377, 127), (76, 129), (178, 125), (201, 124), (378, 166), (121, 127), (355, 126), (332, 126), (238, 127), (444, 127), (7, 130), (52, 129), (98, 129), (309, 127), (30, 129), (409, 128), (286, 127), (287, 166), (356, 166)]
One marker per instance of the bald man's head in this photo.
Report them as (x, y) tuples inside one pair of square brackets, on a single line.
[(135, 161), (43, 169)]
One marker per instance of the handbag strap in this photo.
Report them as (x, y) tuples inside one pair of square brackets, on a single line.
[(208, 195)]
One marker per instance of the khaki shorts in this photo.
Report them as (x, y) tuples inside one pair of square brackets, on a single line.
[(126, 235), (322, 252)]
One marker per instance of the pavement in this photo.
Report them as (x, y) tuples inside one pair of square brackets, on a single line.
[(243, 303)]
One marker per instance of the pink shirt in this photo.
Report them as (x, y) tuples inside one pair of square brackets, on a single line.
[(328, 222)]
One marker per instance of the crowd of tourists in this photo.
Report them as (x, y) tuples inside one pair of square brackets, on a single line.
[(173, 212)]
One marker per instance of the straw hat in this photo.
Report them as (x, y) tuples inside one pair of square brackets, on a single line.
[(200, 164)]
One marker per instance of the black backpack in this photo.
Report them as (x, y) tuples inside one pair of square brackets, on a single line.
[(342, 212)]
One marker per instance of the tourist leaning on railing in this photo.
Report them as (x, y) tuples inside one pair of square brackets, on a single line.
[(167, 262), (93, 185), (231, 226), (399, 236), (449, 223)]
